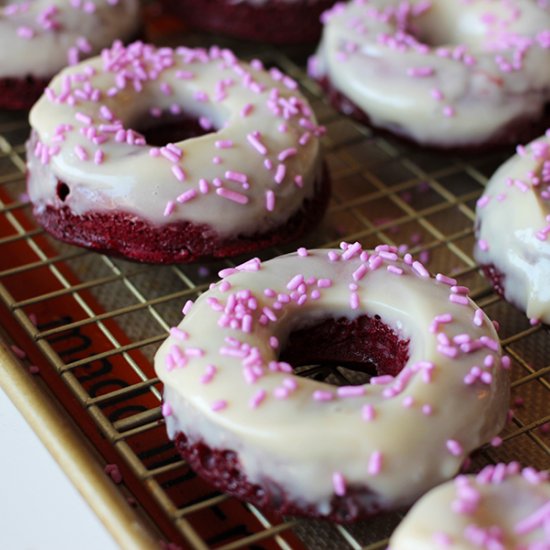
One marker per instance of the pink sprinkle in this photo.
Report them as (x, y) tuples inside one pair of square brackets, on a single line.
[(269, 200), (106, 113), (455, 289), (219, 405), (454, 447), (489, 343), (169, 209), (445, 280), (351, 250), (184, 75), (442, 539), (257, 399), (339, 484), (85, 119), (420, 269), (505, 362), (280, 173), (478, 318), (187, 307), (25, 32), (302, 252), (324, 283), (224, 144), (483, 245), (350, 391), (375, 463), (178, 333), (246, 110), (496, 441), (368, 412), (99, 157), (536, 519), (203, 186), (205, 123), (234, 196), (459, 299), (395, 270), (201, 96), (360, 272), (178, 172), (209, 374), (437, 94), (80, 152), (427, 409), (287, 153), (408, 401), (354, 300), (18, 352), (420, 72), (254, 140), (382, 380), (322, 395), (449, 111), (194, 352), (166, 409), (113, 471), (238, 177), (295, 282), (187, 196)]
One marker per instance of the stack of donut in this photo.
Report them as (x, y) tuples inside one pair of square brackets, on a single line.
[(105, 173)]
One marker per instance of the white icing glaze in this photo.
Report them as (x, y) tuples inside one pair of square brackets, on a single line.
[(466, 87), (513, 220), (236, 98), (40, 37), (499, 509), (301, 442)]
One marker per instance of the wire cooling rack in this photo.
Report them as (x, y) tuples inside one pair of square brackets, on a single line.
[(94, 322)]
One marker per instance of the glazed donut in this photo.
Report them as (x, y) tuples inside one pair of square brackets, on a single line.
[(513, 230), (256, 179), (40, 37), (244, 421), (501, 508), (274, 21), (440, 73)]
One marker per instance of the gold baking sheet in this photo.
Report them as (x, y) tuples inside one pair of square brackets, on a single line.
[(96, 322)]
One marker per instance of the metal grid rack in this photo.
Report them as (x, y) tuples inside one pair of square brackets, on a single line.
[(97, 321)]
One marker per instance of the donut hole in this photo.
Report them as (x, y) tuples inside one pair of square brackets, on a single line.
[(160, 127), (62, 191), (160, 131), (443, 25), (346, 351)]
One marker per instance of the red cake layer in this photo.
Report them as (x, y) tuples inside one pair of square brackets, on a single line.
[(20, 93), (521, 130), (496, 277), (277, 21), (124, 234), (221, 468), (366, 343)]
